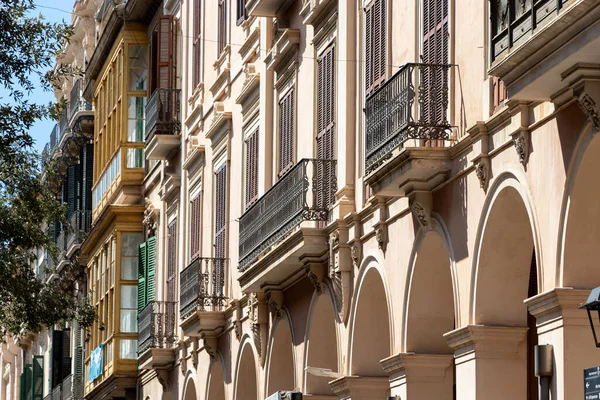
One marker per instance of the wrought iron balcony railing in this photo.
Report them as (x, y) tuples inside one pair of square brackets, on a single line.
[(163, 113), (305, 193), (77, 103), (157, 326), (64, 124), (61, 242), (54, 136), (81, 222), (202, 285), (412, 104)]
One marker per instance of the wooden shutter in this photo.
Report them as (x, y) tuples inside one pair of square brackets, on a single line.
[(326, 105), (151, 269), (376, 45), (66, 346), (38, 378), (252, 168), (142, 268), (87, 176), (172, 259), (197, 42), (286, 132), (56, 358), (195, 225), (241, 11), (166, 51), (220, 211), (499, 93), (71, 189), (222, 26)]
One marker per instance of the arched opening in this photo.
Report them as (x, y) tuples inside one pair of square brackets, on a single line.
[(582, 231), (216, 383), (431, 299), (322, 346), (281, 360), (507, 275), (371, 329), (246, 387), (190, 391)]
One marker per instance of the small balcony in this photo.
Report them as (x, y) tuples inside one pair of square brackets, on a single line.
[(163, 124), (157, 335), (264, 8), (80, 110), (81, 222), (64, 128), (286, 224), (202, 297), (407, 128), (534, 43)]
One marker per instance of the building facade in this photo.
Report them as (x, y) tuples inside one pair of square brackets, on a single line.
[(347, 199)]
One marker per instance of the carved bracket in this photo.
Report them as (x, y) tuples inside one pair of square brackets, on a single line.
[(150, 217), (522, 142), (183, 358), (258, 314), (587, 92), (210, 345), (483, 171), (316, 273), (237, 323), (421, 204), (340, 269), (195, 352), (275, 299), (163, 378)]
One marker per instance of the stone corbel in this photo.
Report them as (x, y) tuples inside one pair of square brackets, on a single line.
[(275, 299), (587, 93), (210, 345), (163, 378), (522, 140), (315, 270), (340, 268), (183, 358), (483, 171), (421, 205), (150, 217), (482, 163), (237, 323), (195, 352), (259, 323)]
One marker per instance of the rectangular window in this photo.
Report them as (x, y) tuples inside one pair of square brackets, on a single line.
[(136, 119), (286, 132), (241, 11), (129, 255), (220, 211), (252, 168), (129, 296), (135, 158), (499, 93), (138, 68), (222, 26), (197, 43), (375, 49), (172, 259), (128, 349), (195, 225)]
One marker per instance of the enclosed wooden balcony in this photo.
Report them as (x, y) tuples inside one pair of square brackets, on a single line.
[(202, 297), (535, 42), (407, 128), (156, 335), (286, 224), (163, 124)]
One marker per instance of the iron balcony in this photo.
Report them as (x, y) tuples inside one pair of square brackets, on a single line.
[(157, 326), (202, 285), (163, 113)]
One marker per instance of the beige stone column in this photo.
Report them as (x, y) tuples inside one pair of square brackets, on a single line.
[(360, 388), (491, 362), (563, 325), (420, 376)]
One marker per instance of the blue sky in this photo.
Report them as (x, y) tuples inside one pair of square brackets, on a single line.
[(54, 11)]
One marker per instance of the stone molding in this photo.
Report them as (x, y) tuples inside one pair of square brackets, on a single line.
[(482, 341), (357, 387), (558, 307), (418, 367)]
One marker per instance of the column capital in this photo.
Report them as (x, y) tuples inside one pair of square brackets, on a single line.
[(360, 388), (483, 341), (558, 307), (420, 367)]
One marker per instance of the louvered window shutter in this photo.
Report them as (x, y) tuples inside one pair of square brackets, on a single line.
[(286, 132), (252, 168), (435, 54), (38, 377), (66, 361), (166, 52), (241, 11), (197, 42), (88, 176), (151, 269), (172, 260), (326, 126), (27, 378), (71, 185), (57, 358), (498, 93), (196, 218), (220, 211), (222, 26), (142, 269), (375, 49)]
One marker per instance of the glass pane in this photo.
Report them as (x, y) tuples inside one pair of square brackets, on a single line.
[(129, 268), (130, 243), (136, 113), (138, 68), (129, 296), (501, 15), (129, 321), (135, 158), (128, 349)]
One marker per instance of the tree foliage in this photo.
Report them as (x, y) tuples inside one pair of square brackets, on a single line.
[(28, 47)]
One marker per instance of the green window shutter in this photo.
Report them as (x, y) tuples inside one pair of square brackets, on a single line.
[(142, 276), (56, 358), (66, 361), (27, 385), (38, 377), (151, 269), (22, 387)]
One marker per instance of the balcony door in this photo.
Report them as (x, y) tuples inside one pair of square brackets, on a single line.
[(435, 55)]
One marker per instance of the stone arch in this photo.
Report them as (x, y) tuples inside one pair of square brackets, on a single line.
[(281, 372), (215, 383), (189, 388), (371, 326), (506, 246), (431, 300), (579, 233), (246, 377), (321, 343)]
